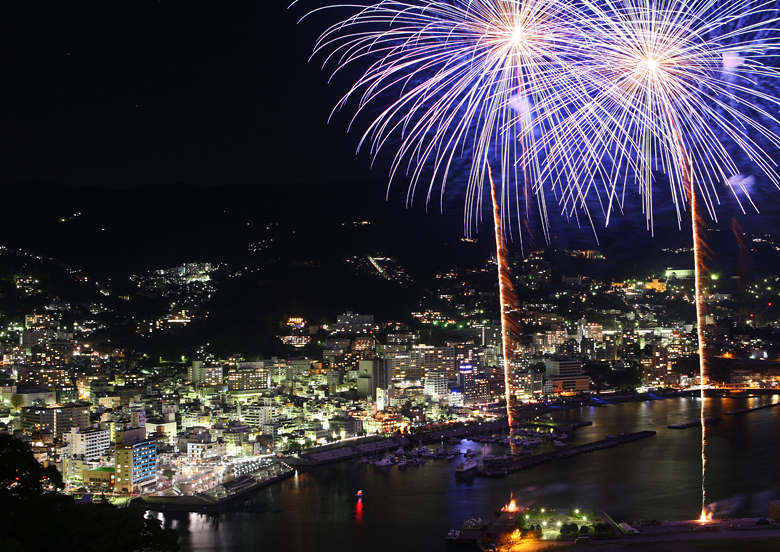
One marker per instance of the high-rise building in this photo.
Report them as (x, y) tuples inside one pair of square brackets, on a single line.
[(258, 415), (566, 375), (239, 378), (89, 444), (661, 373), (589, 331), (372, 375), (436, 384), (415, 364), (56, 418), (136, 465), (204, 374)]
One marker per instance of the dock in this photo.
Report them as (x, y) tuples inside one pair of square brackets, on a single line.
[(504, 524), (213, 503), (567, 427), (751, 409), (526, 462), (686, 425)]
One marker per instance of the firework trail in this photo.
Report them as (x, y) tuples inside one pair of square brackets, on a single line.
[(673, 91), (508, 303)]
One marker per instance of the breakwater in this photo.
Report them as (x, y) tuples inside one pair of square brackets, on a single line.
[(500, 469), (751, 409)]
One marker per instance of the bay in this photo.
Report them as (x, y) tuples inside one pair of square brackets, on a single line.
[(412, 509)]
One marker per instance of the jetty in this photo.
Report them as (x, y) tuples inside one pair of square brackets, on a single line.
[(490, 469)]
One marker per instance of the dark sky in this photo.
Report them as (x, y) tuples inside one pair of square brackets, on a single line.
[(122, 94)]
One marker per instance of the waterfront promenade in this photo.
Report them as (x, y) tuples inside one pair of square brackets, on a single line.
[(669, 536)]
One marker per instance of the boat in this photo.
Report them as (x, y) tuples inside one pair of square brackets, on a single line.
[(359, 493), (559, 444), (468, 464), (386, 461), (475, 524), (453, 535)]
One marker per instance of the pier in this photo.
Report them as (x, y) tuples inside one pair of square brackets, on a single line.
[(529, 461)]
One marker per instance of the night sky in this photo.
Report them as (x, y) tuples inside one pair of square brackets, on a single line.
[(123, 94), (127, 94)]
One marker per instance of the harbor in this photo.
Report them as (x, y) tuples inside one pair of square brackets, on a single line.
[(654, 478)]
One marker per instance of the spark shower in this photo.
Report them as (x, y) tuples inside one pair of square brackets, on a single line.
[(580, 100)]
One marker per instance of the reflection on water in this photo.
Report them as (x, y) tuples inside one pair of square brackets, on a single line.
[(658, 478)]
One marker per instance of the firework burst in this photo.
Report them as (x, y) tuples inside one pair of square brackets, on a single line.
[(674, 91), (460, 79)]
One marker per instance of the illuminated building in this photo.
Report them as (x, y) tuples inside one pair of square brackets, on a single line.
[(524, 382), (89, 444), (56, 418), (44, 376), (661, 374), (372, 375), (350, 322), (407, 339), (247, 377), (103, 478), (264, 412), (296, 341), (612, 346), (566, 375), (473, 385), (415, 364), (436, 384), (589, 331), (200, 373), (655, 285), (136, 465), (204, 450), (40, 322), (344, 425)]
